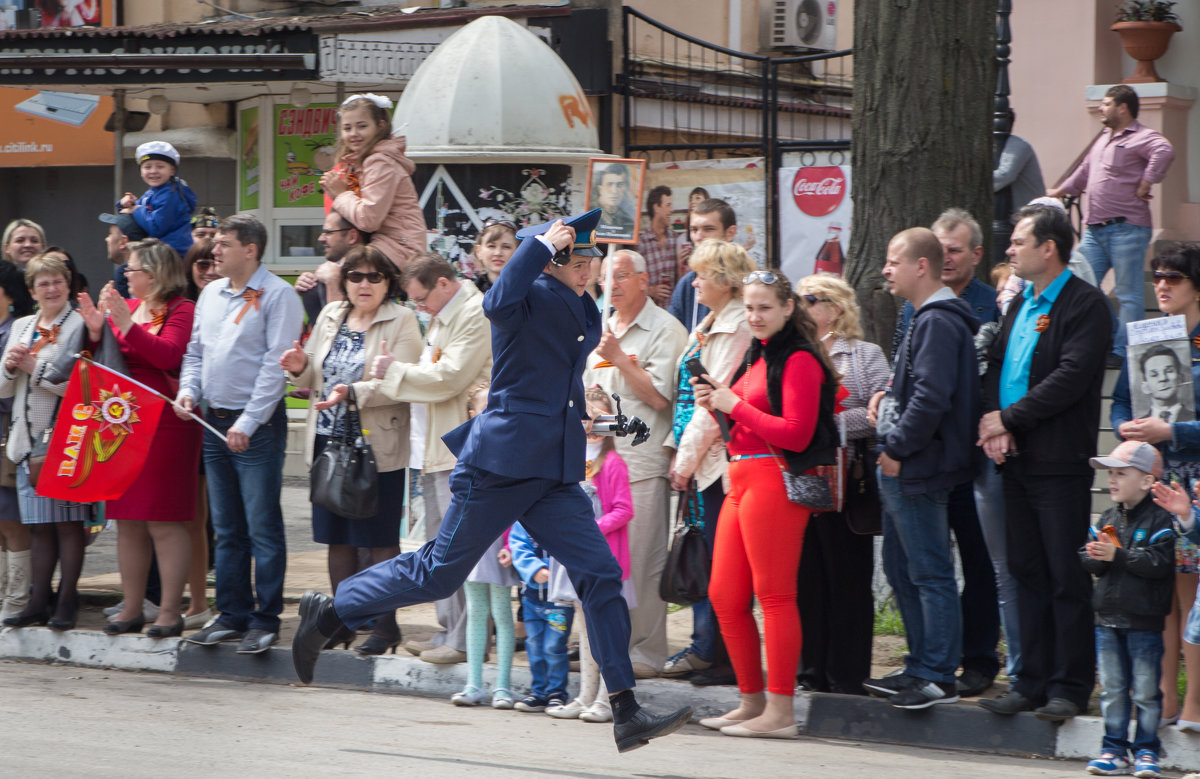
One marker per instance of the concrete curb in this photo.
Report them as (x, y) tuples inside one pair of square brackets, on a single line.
[(961, 726)]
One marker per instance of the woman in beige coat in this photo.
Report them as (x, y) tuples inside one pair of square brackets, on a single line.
[(347, 336), (720, 341)]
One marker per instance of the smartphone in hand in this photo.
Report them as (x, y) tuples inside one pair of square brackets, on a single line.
[(697, 370)]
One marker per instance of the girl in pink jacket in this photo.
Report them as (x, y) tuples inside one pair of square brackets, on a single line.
[(608, 486), (371, 184)]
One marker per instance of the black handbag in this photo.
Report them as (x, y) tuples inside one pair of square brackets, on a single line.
[(861, 507), (344, 478), (685, 576)]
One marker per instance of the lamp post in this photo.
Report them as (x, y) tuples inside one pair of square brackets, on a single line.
[(1003, 205)]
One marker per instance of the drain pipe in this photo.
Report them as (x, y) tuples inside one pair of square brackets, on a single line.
[(119, 114)]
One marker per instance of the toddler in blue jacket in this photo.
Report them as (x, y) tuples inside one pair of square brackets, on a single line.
[(548, 601), (164, 211)]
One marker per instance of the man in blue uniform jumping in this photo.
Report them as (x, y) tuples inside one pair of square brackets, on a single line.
[(521, 459)]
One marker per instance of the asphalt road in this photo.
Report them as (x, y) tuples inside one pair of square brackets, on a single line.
[(65, 721)]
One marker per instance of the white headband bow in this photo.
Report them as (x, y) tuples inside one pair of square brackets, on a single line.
[(379, 100)]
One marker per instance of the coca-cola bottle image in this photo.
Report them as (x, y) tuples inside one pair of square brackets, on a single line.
[(829, 258)]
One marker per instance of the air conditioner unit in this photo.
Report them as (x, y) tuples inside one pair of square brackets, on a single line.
[(806, 24)]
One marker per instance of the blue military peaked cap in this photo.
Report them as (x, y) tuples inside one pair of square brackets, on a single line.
[(585, 232)]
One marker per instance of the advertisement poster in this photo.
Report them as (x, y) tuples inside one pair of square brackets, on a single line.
[(814, 219), (304, 141), (248, 162), (55, 13), (459, 199), (53, 128), (737, 181)]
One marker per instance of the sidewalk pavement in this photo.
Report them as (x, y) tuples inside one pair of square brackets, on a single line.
[(962, 726)]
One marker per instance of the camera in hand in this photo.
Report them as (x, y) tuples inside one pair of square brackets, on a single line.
[(620, 425)]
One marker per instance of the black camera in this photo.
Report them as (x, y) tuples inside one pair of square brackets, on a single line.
[(620, 425)]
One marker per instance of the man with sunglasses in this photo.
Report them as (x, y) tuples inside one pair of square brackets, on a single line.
[(522, 458), (1041, 417), (320, 287)]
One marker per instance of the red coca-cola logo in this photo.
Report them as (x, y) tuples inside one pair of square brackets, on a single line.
[(818, 191)]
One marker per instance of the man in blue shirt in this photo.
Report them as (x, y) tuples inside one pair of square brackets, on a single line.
[(1042, 416), (710, 218), (243, 323)]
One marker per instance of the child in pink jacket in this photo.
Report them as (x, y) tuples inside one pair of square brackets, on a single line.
[(371, 185), (608, 486)]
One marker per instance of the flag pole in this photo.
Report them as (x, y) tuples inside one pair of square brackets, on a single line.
[(152, 391)]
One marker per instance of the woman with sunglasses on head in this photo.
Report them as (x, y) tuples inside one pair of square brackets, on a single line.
[(152, 329), (837, 606), (348, 335), (719, 341), (493, 248), (780, 403), (1177, 291)]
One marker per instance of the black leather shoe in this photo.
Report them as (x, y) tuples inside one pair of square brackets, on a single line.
[(54, 623), (26, 620), (1009, 703), (309, 640), (644, 726), (717, 675), (134, 625), (215, 634), (257, 641), (166, 631), (1056, 710)]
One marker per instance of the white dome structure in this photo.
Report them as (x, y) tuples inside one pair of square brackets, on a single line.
[(494, 91)]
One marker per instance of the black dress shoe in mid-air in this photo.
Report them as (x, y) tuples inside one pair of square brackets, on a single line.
[(309, 640), (644, 726)]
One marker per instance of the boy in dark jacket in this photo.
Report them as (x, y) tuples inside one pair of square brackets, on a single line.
[(1132, 555)]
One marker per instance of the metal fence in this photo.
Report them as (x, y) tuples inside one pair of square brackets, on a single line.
[(686, 99)]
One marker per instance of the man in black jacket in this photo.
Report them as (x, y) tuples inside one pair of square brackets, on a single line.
[(925, 427), (1042, 416)]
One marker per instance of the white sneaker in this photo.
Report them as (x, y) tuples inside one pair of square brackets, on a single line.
[(470, 696), (149, 611), (600, 711), (570, 710), (113, 611)]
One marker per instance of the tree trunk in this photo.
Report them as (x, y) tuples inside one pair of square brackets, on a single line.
[(924, 74)]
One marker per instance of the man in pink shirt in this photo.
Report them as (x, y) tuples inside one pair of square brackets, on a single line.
[(1117, 173)]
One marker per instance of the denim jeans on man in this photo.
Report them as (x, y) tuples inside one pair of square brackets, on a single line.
[(1130, 663), (989, 504), (243, 495), (1122, 247), (919, 566), (547, 627)]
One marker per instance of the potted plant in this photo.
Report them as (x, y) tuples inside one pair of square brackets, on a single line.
[(1146, 27)]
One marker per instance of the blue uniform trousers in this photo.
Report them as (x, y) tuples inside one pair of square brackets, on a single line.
[(558, 516)]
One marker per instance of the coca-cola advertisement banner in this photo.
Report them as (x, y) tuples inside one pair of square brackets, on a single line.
[(814, 219)]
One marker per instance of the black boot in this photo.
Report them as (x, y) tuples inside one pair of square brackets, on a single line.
[(318, 623)]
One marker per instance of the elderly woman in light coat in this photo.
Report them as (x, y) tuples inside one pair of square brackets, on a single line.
[(347, 336), (720, 341)]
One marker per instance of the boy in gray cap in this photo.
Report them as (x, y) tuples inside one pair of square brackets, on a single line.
[(1132, 555)]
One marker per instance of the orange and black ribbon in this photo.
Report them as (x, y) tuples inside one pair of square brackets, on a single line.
[(45, 335), (1043, 323), (251, 297), (158, 316)]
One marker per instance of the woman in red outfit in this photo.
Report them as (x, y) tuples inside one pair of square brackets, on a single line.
[(153, 330), (781, 404)]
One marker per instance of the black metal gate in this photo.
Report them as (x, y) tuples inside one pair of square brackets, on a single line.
[(685, 98)]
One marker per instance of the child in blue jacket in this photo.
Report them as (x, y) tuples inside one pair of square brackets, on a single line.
[(548, 601), (164, 211)]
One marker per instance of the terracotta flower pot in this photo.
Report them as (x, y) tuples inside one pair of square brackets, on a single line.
[(1145, 42)]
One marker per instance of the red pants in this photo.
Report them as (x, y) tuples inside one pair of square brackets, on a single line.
[(760, 535)]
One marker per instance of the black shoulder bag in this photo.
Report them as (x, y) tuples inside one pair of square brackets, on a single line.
[(344, 478)]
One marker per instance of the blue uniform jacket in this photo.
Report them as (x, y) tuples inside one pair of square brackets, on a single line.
[(1184, 445), (165, 213), (542, 333)]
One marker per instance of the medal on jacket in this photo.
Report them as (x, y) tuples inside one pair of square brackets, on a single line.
[(1043, 323)]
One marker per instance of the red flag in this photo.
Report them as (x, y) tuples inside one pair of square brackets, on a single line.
[(104, 430)]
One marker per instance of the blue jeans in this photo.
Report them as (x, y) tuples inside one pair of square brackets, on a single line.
[(243, 493), (704, 621), (547, 626), (989, 504), (1121, 247), (918, 565), (1130, 663)]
